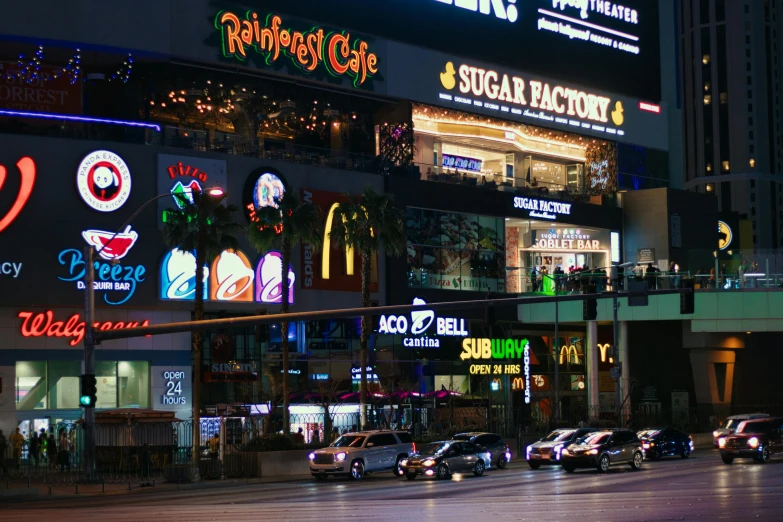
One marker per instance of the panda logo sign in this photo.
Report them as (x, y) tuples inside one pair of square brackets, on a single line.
[(103, 180)]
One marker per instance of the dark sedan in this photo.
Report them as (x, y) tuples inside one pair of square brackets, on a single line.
[(665, 442), (602, 449), (442, 459), (753, 439), (500, 454)]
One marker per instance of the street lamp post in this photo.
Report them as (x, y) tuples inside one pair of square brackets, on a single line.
[(615, 345), (90, 256)]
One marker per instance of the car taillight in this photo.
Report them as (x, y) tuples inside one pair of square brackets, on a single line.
[(414, 447)]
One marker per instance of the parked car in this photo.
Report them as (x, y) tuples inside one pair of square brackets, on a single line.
[(500, 454), (356, 454), (730, 424), (547, 450), (602, 449), (664, 442), (442, 459), (756, 439)]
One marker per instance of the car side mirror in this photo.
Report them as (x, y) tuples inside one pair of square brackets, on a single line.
[(370, 444)]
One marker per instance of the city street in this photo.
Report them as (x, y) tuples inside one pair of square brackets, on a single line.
[(701, 487)]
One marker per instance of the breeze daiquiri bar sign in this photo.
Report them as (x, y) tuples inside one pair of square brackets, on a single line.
[(340, 53)]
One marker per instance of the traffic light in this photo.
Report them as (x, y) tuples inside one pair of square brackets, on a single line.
[(687, 300), (589, 309), (89, 391)]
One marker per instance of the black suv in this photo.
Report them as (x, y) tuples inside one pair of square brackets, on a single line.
[(753, 439), (499, 452), (601, 449)]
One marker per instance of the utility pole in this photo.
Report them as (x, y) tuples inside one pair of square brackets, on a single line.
[(556, 350), (89, 359)]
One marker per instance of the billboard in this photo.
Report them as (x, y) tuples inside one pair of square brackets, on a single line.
[(607, 45), (480, 87)]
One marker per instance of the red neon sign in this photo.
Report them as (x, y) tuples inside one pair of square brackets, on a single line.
[(340, 54), (41, 324), (650, 107), (26, 168)]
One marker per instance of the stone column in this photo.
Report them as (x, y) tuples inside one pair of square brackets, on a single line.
[(591, 352)]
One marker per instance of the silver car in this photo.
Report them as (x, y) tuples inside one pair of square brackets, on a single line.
[(357, 454), (547, 450)]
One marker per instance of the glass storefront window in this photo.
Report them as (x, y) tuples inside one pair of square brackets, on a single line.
[(31, 385), (133, 377), (54, 385), (64, 384), (454, 251)]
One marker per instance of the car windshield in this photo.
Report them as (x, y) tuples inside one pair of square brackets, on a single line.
[(754, 427), (595, 438), (729, 424), (349, 441), (434, 448), (558, 435)]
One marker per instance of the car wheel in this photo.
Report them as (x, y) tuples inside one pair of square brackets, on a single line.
[(636, 463), (603, 463), (443, 472), (410, 476), (502, 462), (533, 465), (686, 452), (764, 455), (319, 476), (479, 469), (569, 469), (398, 467), (727, 459), (357, 470)]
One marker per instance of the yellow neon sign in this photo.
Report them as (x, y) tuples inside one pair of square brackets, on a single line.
[(604, 348), (328, 245)]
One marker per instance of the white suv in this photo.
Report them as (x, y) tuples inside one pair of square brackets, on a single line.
[(357, 454)]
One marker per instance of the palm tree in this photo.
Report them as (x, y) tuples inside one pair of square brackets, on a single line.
[(296, 221), (206, 226), (366, 223)]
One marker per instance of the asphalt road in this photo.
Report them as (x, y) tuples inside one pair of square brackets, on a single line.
[(699, 488)]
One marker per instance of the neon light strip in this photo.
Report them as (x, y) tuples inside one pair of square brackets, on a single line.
[(588, 24), (67, 117)]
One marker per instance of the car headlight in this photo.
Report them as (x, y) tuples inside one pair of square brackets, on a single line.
[(529, 449), (753, 442), (722, 442), (428, 463), (404, 462), (716, 433), (311, 456), (593, 452), (340, 456), (558, 448), (565, 452)]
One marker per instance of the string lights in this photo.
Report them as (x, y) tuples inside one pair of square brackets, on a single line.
[(124, 72)]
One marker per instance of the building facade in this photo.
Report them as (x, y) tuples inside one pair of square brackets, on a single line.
[(508, 169)]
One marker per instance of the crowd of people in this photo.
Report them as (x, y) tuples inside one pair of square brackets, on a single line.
[(39, 449)]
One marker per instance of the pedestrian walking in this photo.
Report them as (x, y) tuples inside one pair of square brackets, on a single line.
[(3, 448), (17, 442), (63, 451), (51, 450), (34, 448)]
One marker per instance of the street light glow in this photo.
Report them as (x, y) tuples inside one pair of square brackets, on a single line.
[(215, 192)]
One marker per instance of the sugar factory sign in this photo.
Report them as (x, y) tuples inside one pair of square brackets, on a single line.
[(542, 208)]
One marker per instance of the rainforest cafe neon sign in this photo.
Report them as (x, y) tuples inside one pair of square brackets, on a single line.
[(340, 54), (42, 324)]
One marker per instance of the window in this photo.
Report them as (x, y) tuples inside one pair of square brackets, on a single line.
[(707, 99), (747, 53), (55, 384), (747, 66), (754, 238), (709, 167), (752, 164), (386, 439), (724, 98), (752, 182), (750, 107), (725, 165), (750, 135), (706, 86), (752, 211), (405, 438), (754, 225), (750, 148), (747, 9), (750, 94), (705, 59), (750, 81), (709, 187), (750, 121), (747, 38), (753, 197)]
